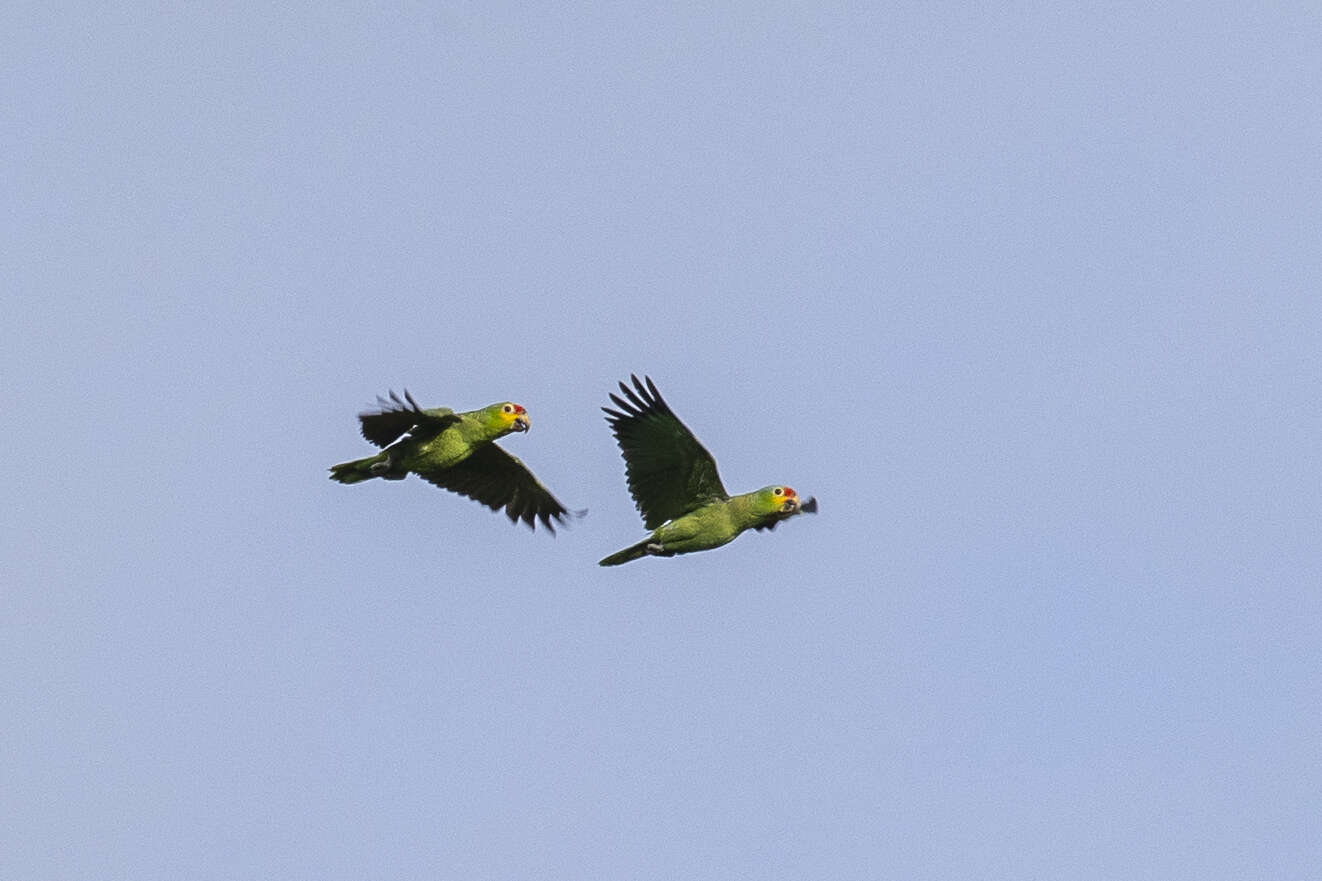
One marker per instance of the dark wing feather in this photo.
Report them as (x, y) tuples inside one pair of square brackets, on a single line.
[(498, 480), (670, 473), (396, 418)]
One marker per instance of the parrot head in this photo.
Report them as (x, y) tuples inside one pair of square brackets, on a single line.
[(775, 504), (781, 500), (512, 417), (785, 502)]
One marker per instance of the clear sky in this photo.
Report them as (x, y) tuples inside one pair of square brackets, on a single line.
[(1029, 295)]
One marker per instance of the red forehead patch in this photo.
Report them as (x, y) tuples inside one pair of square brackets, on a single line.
[(788, 491), (518, 409)]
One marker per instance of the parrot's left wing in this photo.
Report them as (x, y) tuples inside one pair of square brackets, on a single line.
[(669, 472), (397, 417), (499, 480)]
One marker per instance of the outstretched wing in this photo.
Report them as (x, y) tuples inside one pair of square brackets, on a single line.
[(670, 473), (396, 419), (498, 480)]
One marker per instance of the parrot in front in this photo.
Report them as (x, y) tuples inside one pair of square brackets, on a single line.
[(454, 451), (674, 483)]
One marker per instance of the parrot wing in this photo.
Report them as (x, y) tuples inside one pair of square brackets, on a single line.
[(396, 418), (499, 480), (669, 472)]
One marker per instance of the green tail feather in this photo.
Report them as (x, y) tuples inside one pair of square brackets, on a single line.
[(633, 552), (356, 471)]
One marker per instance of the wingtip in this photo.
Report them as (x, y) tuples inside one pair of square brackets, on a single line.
[(562, 518), (549, 520), (642, 398)]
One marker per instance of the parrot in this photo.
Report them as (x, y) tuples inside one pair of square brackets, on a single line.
[(674, 483), (455, 451)]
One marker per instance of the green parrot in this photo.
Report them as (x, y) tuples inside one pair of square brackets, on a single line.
[(455, 452), (674, 483)]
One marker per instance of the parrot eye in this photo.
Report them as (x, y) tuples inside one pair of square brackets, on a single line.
[(778, 491), (507, 408)]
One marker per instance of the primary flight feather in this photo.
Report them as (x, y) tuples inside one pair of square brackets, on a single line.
[(454, 451), (674, 483)]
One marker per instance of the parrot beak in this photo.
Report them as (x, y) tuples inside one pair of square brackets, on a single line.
[(809, 507), (521, 423)]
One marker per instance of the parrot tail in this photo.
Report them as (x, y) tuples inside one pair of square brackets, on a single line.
[(633, 552), (361, 469)]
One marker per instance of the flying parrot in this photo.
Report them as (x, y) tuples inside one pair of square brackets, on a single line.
[(455, 452), (674, 483)]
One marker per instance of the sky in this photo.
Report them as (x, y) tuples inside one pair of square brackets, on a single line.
[(1026, 294)]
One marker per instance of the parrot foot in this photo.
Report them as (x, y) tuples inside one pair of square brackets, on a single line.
[(384, 470), (656, 548)]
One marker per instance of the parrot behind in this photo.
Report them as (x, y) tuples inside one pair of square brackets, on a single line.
[(454, 451), (674, 483)]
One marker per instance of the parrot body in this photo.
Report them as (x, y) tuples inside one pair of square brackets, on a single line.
[(446, 439), (713, 525), (675, 485), (454, 451)]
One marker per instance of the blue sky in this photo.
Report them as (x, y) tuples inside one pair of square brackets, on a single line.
[(1026, 295)]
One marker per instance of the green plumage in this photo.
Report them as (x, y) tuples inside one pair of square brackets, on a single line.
[(454, 451), (673, 481)]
